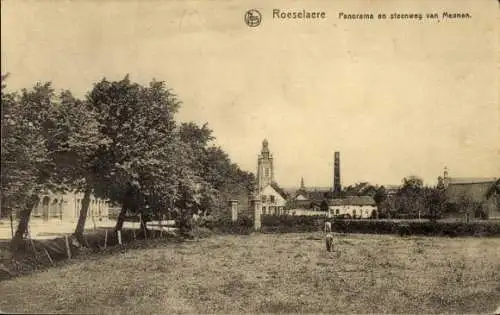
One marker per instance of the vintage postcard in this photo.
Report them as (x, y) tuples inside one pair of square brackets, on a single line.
[(248, 157)]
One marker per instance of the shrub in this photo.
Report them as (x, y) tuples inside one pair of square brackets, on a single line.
[(244, 225)]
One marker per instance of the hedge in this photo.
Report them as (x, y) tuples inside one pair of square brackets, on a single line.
[(290, 224), (297, 224), (429, 228), (244, 225)]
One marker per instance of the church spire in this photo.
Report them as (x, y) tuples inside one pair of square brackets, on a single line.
[(302, 183)]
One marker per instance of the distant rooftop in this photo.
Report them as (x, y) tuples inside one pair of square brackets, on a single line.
[(471, 180), (353, 201)]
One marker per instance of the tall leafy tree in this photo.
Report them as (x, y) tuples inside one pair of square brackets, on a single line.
[(222, 179), (145, 163), (26, 166), (380, 195), (435, 200), (121, 143), (227, 178), (75, 148), (409, 198)]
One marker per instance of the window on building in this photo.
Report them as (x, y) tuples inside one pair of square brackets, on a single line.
[(263, 210), (264, 198), (337, 211), (266, 172), (54, 208), (271, 197), (37, 210), (45, 207)]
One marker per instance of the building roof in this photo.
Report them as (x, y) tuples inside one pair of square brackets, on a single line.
[(300, 196), (391, 189), (353, 201), (311, 194), (475, 189), (279, 190), (471, 180)]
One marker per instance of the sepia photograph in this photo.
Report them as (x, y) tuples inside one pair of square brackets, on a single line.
[(250, 157)]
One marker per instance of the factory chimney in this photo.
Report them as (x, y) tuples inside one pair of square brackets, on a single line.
[(337, 187)]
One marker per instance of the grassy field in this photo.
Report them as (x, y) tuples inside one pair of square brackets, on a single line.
[(260, 273)]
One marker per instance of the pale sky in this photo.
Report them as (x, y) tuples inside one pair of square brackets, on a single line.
[(396, 98)]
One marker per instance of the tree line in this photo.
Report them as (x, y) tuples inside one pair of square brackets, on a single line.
[(121, 142), (411, 200)]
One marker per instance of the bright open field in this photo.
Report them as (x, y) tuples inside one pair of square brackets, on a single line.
[(272, 273)]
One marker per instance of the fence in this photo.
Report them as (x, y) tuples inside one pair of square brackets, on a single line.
[(40, 254)]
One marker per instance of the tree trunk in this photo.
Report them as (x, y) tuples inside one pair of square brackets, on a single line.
[(22, 227), (11, 224), (121, 219), (80, 226)]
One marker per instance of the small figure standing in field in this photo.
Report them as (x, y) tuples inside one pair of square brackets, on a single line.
[(329, 242), (328, 236), (328, 227)]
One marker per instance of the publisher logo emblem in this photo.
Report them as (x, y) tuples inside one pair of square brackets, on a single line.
[(253, 18)]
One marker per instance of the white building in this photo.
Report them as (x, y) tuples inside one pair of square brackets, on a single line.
[(356, 207), (272, 199), (66, 207)]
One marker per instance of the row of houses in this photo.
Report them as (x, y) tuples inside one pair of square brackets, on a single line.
[(358, 201)]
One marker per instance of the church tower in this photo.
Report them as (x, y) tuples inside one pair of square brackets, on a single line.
[(265, 172)]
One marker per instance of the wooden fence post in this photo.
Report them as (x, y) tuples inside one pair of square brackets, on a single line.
[(119, 237), (160, 224), (48, 255), (143, 224), (106, 239), (68, 248)]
